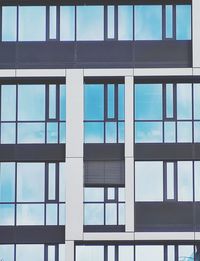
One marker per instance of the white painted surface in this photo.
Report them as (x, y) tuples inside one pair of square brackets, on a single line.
[(69, 253), (109, 236), (164, 236), (108, 72), (163, 71), (40, 73), (7, 73)]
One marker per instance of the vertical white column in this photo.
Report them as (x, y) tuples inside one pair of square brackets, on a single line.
[(196, 32), (129, 153), (74, 157), (69, 253)]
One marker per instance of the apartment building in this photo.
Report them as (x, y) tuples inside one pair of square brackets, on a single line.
[(99, 130)]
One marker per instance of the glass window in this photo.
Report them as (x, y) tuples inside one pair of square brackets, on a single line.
[(121, 101), (183, 22), (51, 181), (30, 252), (93, 214), (196, 95), (125, 22), (111, 214), (90, 23), (8, 133), (62, 215), (170, 253), (169, 101), (111, 253), (62, 181), (170, 180), (67, 23), (63, 102), (169, 132), (7, 252), (32, 23), (31, 133), (148, 22), (184, 101), (30, 214), (169, 21), (149, 181), (94, 194), (52, 132), (148, 132), (62, 252), (111, 21), (7, 217), (51, 214), (30, 182), (149, 253), (185, 181), (52, 101), (7, 182), (186, 252), (111, 132), (126, 253), (90, 253), (94, 132), (51, 253), (9, 23), (197, 180), (148, 101), (184, 131), (52, 22), (8, 102), (111, 101), (121, 132), (197, 131)]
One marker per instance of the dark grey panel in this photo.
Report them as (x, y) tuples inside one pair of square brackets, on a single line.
[(197, 216), (32, 152), (104, 151), (164, 216), (172, 151), (104, 173), (32, 234), (107, 228)]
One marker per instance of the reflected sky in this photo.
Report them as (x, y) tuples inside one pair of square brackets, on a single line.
[(30, 214), (89, 253), (148, 132), (183, 22), (7, 252), (30, 252), (149, 253), (185, 181)]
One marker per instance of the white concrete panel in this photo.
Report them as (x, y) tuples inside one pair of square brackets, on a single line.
[(40, 73), (108, 236), (164, 236), (129, 194), (196, 32), (74, 199), (69, 253), (74, 132), (196, 71), (7, 73), (163, 72), (108, 72), (129, 116)]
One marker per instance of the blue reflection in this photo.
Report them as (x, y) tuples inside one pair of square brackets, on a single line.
[(51, 214), (94, 214), (148, 132), (7, 252), (62, 132), (8, 133), (94, 132), (67, 23), (169, 132), (30, 214), (7, 182), (111, 132), (30, 252), (183, 22), (125, 22), (62, 102), (121, 132), (121, 101), (184, 131), (9, 23), (52, 132), (7, 216), (31, 133), (8, 102)]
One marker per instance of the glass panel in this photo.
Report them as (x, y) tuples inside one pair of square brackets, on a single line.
[(7, 182), (121, 214), (62, 252), (51, 214), (170, 253), (89, 253), (62, 181), (149, 253), (169, 101), (111, 21), (67, 23), (111, 193), (111, 253), (90, 23), (94, 214), (8, 132), (52, 101), (148, 22), (30, 252), (121, 100), (111, 101), (196, 89), (111, 214), (169, 21), (197, 131), (125, 22), (126, 253), (52, 181), (62, 138), (184, 131), (52, 132), (62, 215), (30, 214), (111, 132), (148, 101), (62, 102), (184, 101), (31, 102), (120, 132), (183, 22), (170, 180), (94, 132), (186, 253), (32, 23), (52, 22), (6, 252), (94, 194), (121, 194), (7, 217), (51, 253), (197, 180), (30, 182), (8, 102), (148, 132), (170, 134), (94, 102), (9, 23), (185, 181), (31, 133), (149, 181)]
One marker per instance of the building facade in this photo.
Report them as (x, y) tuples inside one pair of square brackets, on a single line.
[(99, 130)]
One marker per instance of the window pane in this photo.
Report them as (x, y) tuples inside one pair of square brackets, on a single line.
[(62, 181), (93, 214), (30, 252), (111, 214), (148, 22), (52, 132), (120, 132), (197, 131), (126, 253), (111, 21), (111, 132), (51, 253), (94, 102), (111, 253), (169, 101), (52, 181), (90, 23), (51, 214), (94, 132), (30, 214), (125, 22), (184, 131), (121, 194), (196, 88), (183, 22), (90, 253), (52, 101), (185, 181), (52, 22), (7, 182), (62, 133), (197, 180), (8, 102), (111, 101), (170, 134), (62, 252), (31, 133), (170, 253), (67, 23), (7, 252), (32, 23), (170, 180), (148, 101), (121, 214), (169, 21), (186, 252), (184, 101), (30, 182), (31, 102), (7, 217), (93, 194), (121, 100), (8, 133), (148, 132), (111, 193), (62, 215), (63, 102), (9, 23), (149, 181), (149, 253)]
